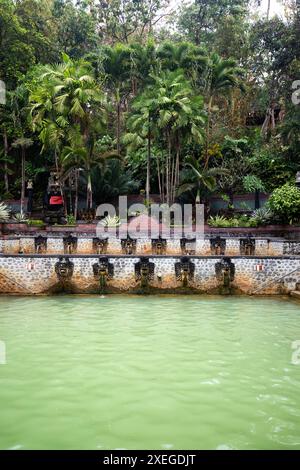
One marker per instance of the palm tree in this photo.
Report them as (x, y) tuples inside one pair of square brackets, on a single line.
[(199, 178), (88, 157), (222, 75), (180, 116), (68, 109), (142, 128), (171, 106), (185, 56), (6, 124), (23, 143), (18, 115), (116, 68), (66, 96), (111, 180), (143, 61)]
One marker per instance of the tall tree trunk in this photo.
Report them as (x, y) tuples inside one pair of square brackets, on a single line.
[(168, 168), (118, 126), (269, 122), (60, 183), (176, 179), (71, 206), (209, 108), (172, 178), (268, 10), (6, 184), (134, 86), (23, 181), (198, 195), (76, 195), (163, 180), (148, 161), (159, 179), (89, 191)]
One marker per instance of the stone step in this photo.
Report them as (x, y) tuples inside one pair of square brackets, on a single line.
[(296, 294)]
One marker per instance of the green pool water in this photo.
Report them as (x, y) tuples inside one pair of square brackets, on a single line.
[(149, 373)]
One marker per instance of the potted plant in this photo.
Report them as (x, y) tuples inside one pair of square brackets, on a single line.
[(71, 220), (19, 222)]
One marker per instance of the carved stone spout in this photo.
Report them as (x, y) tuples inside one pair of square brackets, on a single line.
[(225, 272), (100, 246), (159, 246), (128, 246), (64, 269), (144, 272), (218, 246), (103, 271), (40, 244), (70, 245), (247, 246), (184, 271), (187, 246)]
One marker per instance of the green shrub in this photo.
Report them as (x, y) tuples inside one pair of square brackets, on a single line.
[(285, 203), (71, 219), (217, 221), (262, 216), (243, 221), (221, 221), (35, 222)]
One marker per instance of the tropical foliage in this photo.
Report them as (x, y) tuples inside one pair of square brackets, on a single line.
[(124, 97), (4, 212), (285, 203)]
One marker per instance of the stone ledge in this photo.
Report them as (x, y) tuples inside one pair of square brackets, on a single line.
[(296, 294), (112, 255)]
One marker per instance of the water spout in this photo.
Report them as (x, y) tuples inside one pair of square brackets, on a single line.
[(144, 272), (218, 246), (184, 271), (225, 272), (70, 245), (159, 246), (103, 271), (128, 246)]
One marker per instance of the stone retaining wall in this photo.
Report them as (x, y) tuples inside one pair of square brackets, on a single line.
[(37, 275), (202, 247)]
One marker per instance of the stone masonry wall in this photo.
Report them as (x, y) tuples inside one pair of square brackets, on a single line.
[(36, 275), (201, 247)]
